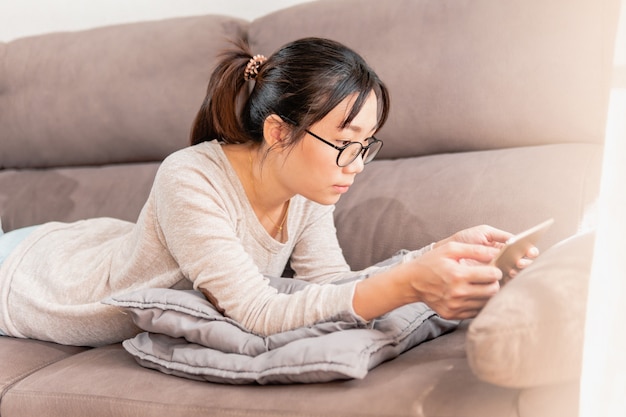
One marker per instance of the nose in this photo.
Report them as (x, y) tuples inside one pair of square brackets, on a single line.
[(355, 166)]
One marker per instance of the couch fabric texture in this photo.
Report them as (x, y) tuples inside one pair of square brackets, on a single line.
[(498, 116)]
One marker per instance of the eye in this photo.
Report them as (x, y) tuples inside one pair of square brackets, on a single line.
[(343, 142)]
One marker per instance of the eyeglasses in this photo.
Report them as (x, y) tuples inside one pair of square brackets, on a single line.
[(351, 151)]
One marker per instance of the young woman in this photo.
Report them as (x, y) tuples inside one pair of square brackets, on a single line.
[(275, 144)]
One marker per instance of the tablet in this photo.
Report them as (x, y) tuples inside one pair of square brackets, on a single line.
[(517, 247)]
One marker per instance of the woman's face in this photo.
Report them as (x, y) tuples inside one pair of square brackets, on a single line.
[(310, 167)]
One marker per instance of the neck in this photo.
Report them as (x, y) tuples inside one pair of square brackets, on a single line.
[(265, 201)]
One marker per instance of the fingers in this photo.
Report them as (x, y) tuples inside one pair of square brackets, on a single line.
[(469, 254), (457, 279), (473, 262), (496, 235), (467, 292), (462, 306), (480, 253), (523, 263), (532, 253)]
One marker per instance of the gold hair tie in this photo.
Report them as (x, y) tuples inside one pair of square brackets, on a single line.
[(252, 68)]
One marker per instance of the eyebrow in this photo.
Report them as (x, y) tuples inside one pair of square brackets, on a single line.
[(357, 129)]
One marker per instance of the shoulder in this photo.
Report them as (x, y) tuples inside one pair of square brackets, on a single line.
[(194, 171), (203, 154), (205, 161)]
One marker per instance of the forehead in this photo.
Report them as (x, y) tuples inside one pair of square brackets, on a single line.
[(365, 120)]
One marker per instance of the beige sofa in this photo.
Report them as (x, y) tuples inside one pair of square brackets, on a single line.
[(498, 112)]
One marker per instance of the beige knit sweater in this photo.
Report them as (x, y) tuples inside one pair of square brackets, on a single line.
[(198, 230)]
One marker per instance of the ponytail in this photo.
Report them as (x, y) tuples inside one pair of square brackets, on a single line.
[(218, 117)]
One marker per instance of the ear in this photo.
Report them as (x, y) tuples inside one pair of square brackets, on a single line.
[(275, 130)]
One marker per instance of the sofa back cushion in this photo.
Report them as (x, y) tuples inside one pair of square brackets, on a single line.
[(462, 77), (125, 93), (470, 75)]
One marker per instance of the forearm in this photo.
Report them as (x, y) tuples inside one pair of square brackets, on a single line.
[(384, 292)]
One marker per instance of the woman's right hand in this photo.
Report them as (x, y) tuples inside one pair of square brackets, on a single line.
[(455, 279)]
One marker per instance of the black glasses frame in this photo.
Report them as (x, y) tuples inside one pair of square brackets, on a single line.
[(362, 152)]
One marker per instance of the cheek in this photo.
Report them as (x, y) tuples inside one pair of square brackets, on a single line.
[(312, 167), (322, 156)]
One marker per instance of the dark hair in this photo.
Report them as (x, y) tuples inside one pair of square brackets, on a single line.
[(302, 82)]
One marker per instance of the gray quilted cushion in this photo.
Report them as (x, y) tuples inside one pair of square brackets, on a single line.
[(186, 336)]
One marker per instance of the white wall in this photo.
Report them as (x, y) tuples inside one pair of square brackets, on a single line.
[(19, 18)]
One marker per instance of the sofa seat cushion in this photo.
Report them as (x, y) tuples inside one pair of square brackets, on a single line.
[(108, 382), (23, 357)]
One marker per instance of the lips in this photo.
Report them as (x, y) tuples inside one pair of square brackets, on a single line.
[(341, 188)]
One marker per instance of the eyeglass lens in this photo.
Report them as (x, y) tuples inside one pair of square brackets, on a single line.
[(354, 149)]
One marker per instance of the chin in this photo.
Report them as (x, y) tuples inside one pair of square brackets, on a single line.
[(326, 200)]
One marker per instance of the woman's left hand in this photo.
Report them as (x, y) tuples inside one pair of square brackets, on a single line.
[(490, 236)]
